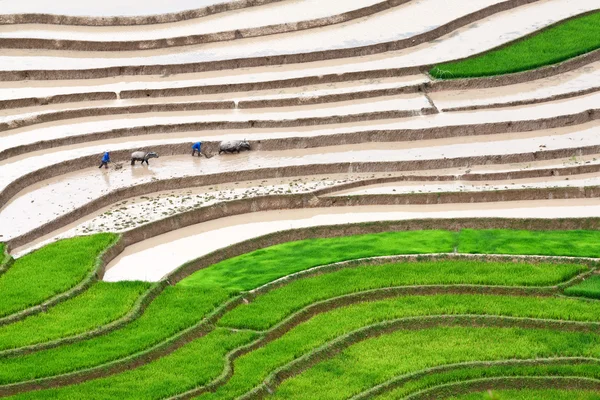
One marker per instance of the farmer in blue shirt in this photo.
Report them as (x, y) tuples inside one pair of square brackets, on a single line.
[(105, 160), (196, 148)]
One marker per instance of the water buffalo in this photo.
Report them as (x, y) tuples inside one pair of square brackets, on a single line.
[(234, 146), (142, 156)]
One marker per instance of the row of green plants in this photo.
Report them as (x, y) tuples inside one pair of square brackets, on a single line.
[(185, 304), (517, 368), (531, 394), (253, 368), (557, 43)]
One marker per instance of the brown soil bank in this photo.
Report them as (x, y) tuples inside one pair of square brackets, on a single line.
[(82, 45), (271, 60), (390, 135), (137, 20), (503, 383)]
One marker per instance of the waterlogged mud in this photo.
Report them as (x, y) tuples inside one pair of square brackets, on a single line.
[(308, 115), (152, 259), (139, 211), (475, 38), (581, 79), (283, 12), (583, 180), (55, 197), (105, 8)]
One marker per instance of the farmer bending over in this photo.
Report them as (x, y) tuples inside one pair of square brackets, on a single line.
[(105, 160), (196, 148)]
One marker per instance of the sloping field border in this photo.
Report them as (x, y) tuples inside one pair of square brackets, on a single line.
[(224, 124), (143, 302), (299, 100), (293, 101), (101, 262), (10, 19), (400, 380), (457, 84), (341, 343), (278, 59), (508, 382), (309, 200), (6, 260), (167, 42), (138, 308), (207, 324), (213, 125), (380, 135)]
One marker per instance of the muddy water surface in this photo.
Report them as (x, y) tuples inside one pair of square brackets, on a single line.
[(584, 78), (473, 39), (57, 196), (154, 258), (282, 12)]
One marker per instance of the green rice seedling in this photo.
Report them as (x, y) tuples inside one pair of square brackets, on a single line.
[(374, 361), (465, 373), (174, 310), (530, 394), (588, 288), (193, 365), (550, 46), (577, 243), (273, 306), (3, 255), (254, 269), (99, 305), (50, 270), (181, 368), (253, 368)]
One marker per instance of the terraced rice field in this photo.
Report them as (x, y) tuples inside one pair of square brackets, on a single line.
[(418, 215)]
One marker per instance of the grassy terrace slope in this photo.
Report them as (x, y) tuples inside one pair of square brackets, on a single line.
[(54, 269), (531, 394), (550, 46), (102, 303), (286, 329)]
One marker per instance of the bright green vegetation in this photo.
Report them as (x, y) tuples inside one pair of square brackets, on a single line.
[(547, 243), (184, 305), (3, 256), (272, 307), (193, 365), (49, 271), (174, 310), (252, 369), (530, 394), (254, 269), (465, 373), (550, 46), (374, 361), (102, 303), (588, 288)]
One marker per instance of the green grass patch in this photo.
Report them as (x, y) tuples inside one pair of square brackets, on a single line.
[(270, 308), (252, 369), (586, 370), (375, 361), (193, 365), (185, 304), (175, 309), (254, 269), (548, 243), (588, 288), (550, 46), (102, 303), (531, 394), (49, 271), (3, 255)]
